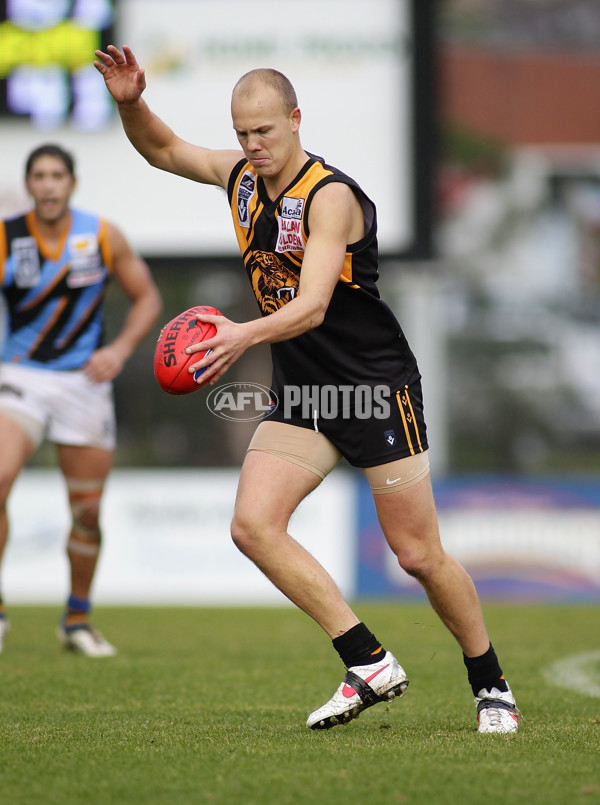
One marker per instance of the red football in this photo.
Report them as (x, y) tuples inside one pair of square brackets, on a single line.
[(171, 362)]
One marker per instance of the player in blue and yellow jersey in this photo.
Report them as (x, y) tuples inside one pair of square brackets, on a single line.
[(341, 364), (56, 370)]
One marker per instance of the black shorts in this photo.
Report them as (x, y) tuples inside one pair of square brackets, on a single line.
[(369, 425)]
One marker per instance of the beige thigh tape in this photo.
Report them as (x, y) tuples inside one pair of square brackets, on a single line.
[(302, 446), (398, 474)]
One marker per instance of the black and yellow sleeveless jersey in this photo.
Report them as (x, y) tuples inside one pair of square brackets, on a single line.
[(360, 340)]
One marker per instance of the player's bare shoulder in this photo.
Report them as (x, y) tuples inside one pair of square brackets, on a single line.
[(335, 206), (224, 162), (118, 244), (124, 263)]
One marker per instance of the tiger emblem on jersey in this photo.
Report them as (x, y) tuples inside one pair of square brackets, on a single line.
[(273, 283)]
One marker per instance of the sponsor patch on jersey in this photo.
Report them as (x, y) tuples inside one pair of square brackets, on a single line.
[(246, 189), (292, 208), (85, 261), (290, 237), (24, 252), (83, 245)]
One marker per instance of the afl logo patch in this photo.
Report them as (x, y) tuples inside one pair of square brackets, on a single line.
[(24, 252), (245, 192), (390, 437)]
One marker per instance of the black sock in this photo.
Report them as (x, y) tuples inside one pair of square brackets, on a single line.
[(358, 646), (485, 672)]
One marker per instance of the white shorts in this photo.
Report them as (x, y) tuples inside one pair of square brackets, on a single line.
[(63, 407)]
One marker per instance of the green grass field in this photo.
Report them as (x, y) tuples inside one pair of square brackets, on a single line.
[(209, 706)]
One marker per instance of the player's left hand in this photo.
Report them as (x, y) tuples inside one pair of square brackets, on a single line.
[(104, 364), (227, 345)]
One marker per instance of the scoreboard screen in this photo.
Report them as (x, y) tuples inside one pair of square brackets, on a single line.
[(46, 54), (362, 69)]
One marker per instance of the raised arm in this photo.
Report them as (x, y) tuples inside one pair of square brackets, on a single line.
[(155, 141)]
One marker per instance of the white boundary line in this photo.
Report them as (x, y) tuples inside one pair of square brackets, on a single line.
[(576, 673)]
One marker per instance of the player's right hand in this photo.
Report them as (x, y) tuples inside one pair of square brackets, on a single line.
[(124, 78)]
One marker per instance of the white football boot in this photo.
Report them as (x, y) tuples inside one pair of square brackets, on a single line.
[(363, 686), (496, 711), (84, 639)]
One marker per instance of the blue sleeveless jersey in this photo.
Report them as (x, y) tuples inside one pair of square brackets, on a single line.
[(54, 300)]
